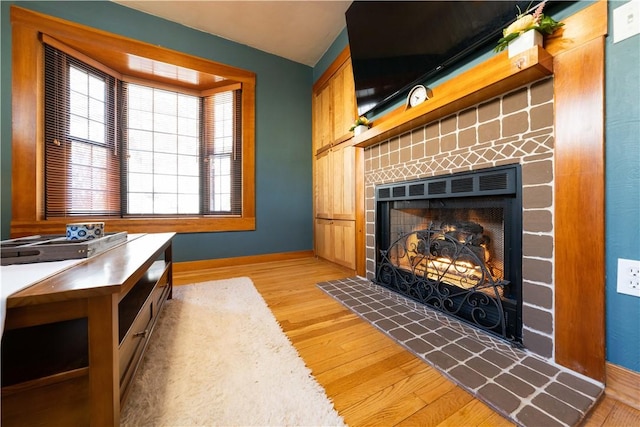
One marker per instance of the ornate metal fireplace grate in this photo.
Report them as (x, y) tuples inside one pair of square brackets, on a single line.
[(446, 269)]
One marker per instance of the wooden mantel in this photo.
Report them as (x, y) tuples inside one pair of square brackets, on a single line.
[(497, 76)]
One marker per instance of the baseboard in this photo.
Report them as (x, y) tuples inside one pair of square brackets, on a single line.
[(623, 385), (181, 267)]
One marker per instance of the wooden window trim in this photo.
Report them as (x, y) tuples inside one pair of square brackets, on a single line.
[(28, 136)]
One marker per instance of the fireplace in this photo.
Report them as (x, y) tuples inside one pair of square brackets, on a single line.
[(454, 242), (514, 129)]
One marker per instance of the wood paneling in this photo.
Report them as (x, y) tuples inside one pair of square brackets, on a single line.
[(579, 208), (361, 267), (27, 123), (579, 28)]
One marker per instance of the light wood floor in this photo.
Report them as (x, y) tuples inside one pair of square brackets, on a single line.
[(370, 378)]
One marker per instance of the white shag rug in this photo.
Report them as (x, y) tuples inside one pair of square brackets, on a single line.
[(218, 357)]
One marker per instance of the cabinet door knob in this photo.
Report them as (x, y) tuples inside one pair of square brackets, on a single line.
[(142, 334)]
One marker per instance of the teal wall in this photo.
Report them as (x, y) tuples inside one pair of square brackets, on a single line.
[(622, 127), (283, 127)]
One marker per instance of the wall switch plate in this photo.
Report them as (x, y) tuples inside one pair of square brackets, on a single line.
[(626, 20), (629, 277)]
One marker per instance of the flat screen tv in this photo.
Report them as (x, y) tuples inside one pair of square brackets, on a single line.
[(398, 44)]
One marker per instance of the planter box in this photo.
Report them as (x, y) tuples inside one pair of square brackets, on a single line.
[(524, 42)]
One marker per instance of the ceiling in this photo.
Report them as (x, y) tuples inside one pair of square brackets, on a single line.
[(301, 31)]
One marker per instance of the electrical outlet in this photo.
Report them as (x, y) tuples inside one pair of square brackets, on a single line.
[(626, 20), (629, 277)]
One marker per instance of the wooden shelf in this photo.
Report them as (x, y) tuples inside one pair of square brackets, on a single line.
[(494, 77)]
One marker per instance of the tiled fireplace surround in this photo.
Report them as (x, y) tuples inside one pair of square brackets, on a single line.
[(516, 127)]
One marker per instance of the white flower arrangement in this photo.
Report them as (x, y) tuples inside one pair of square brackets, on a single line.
[(528, 21), (360, 121)]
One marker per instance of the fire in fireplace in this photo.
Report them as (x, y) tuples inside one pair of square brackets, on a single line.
[(455, 252), (455, 243)]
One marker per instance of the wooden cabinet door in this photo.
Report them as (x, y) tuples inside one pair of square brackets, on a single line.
[(322, 118), (335, 240), (344, 243), (343, 101), (334, 191), (323, 184), (323, 239), (334, 108), (343, 198)]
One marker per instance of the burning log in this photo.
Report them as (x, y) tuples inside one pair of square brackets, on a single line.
[(466, 232), (441, 248), (451, 238)]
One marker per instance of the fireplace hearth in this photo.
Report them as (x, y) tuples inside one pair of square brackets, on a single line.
[(454, 243), (526, 389)]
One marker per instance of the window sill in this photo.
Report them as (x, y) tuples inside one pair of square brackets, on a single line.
[(137, 225)]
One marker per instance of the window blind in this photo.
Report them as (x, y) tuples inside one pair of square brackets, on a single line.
[(223, 158), (81, 171), (125, 148)]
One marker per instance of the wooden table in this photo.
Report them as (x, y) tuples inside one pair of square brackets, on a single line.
[(72, 342)]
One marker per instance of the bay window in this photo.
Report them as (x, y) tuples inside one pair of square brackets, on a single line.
[(141, 137)]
